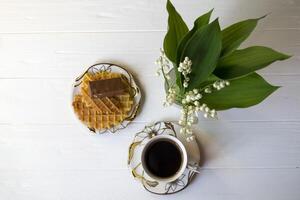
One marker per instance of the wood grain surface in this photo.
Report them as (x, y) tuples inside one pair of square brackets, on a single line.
[(46, 154)]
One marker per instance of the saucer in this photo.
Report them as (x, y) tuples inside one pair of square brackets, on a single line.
[(135, 165)]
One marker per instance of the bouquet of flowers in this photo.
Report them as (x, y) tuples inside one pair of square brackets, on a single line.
[(205, 71)]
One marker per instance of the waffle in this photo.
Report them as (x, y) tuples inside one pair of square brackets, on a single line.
[(102, 113)]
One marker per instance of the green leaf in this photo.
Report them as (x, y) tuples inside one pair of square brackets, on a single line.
[(199, 22), (245, 61), (210, 80), (176, 31), (203, 49), (241, 93), (237, 33)]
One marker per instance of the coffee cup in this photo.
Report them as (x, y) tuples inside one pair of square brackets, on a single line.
[(164, 158)]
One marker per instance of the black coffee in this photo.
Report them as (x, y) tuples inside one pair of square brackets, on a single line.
[(163, 158)]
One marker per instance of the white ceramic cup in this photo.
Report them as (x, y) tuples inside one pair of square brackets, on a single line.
[(180, 147)]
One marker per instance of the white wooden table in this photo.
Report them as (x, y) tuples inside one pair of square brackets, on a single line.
[(45, 153)]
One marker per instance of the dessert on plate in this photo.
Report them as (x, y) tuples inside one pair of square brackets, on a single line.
[(104, 100)]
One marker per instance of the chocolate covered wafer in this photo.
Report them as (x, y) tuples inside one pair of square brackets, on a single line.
[(107, 87)]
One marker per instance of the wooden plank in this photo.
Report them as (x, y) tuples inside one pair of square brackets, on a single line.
[(227, 184), (235, 145), (69, 184), (88, 16), (67, 55)]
